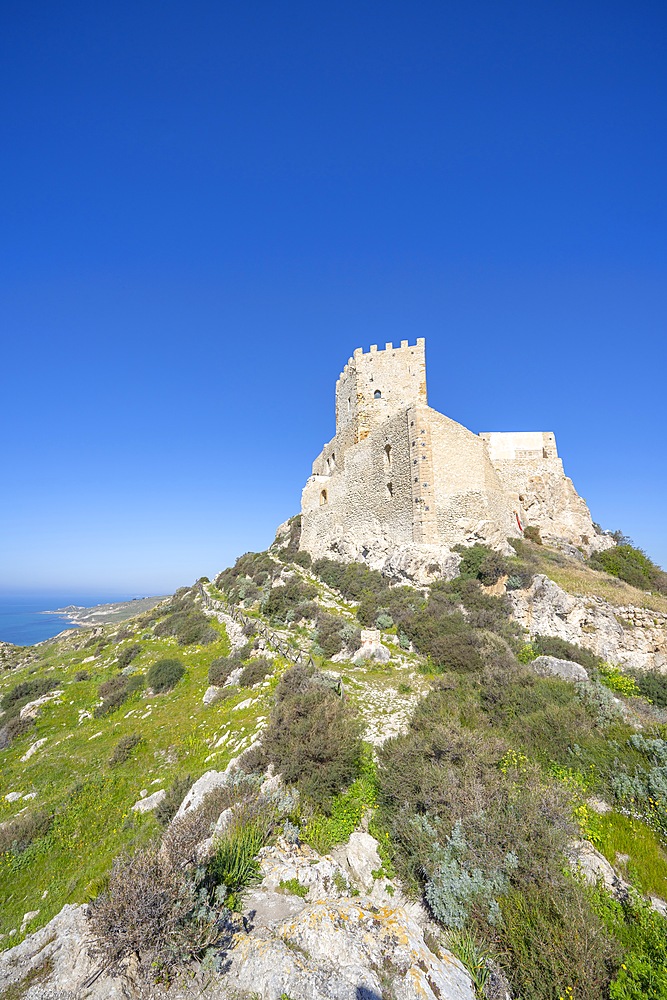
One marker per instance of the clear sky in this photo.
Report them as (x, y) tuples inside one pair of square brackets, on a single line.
[(206, 206)]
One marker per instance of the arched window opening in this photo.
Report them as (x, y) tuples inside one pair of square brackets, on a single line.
[(333, 461), (377, 394), (323, 498), (387, 455), (349, 405), (390, 490)]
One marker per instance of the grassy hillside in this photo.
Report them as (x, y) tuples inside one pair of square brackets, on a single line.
[(476, 772)]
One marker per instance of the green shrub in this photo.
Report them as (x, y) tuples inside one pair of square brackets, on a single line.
[(281, 602), (82, 675), (555, 944), (642, 935), (328, 634), (345, 812), (291, 550), (113, 693), (251, 573), (12, 728), (254, 672), (598, 701), (189, 627), (135, 682), (532, 534), (164, 675), (616, 680), (17, 834), (351, 579), (220, 670), (124, 747), (440, 773), (631, 565), (312, 737), (443, 634), (110, 687), (28, 691), (479, 562), (652, 685), (128, 654), (551, 645), (303, 559)]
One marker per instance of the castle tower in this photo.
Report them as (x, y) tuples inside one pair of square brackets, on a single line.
[(375, 386)]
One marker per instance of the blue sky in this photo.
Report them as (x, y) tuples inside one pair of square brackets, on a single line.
[(207, 206)]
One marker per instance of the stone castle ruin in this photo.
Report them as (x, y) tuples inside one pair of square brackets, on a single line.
[(401, 482)]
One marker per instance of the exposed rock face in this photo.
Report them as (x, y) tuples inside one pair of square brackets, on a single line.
[(567, 670), (207, 783), (64, 943), (345, 950), (633, 637), (33, 708), (410, 563)]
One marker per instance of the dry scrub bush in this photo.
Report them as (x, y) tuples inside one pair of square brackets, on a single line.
[(152, 910), (313, 737), (453, 774), (255, 671), (123, 749), (17, 834), (163, 904)]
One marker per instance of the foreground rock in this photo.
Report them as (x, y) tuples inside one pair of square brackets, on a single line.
[(345, 950), (61, 951), (633, 637)]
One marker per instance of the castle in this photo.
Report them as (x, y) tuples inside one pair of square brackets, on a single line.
[(399, 476)]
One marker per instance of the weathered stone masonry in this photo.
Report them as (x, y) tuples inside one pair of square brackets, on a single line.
[(398, 473)]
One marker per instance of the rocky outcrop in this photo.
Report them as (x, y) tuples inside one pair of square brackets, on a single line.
[(345, 950), (150, 802), (567, 670), (633, 637), (410, 563), (308, 938), (62, 950)]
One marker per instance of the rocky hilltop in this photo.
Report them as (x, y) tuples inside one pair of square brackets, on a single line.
[(310, 779)]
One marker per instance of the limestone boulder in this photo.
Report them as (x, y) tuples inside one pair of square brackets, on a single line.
[(150, 802), (567, 670), (360, 858), (371, 647), (211, 694), (320, 875), (201, 788), (33, 708)]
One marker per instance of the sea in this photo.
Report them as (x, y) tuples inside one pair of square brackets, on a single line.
[(22, 620)]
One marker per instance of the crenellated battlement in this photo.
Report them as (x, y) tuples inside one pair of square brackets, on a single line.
[(359, 352)]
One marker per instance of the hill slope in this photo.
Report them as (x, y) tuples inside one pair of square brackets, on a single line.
[(478, 772)]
